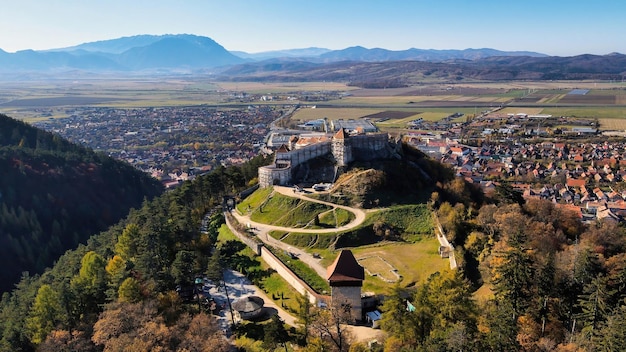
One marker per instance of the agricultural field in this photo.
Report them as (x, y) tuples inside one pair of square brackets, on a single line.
[(612, 124), (402, 123), (269, 88), (520, 110), (34, 101), (601, 112), (308, 114), (43, 100)]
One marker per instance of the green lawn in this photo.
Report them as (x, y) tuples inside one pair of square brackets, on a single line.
[(409, 220), (335, 218), (588, 112), (343, 216), (268, 207), (415, 262), (308, 275), (254, 200)]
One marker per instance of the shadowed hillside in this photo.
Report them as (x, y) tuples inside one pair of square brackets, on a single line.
[(55, 194)]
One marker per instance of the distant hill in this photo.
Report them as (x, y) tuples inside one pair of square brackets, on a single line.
[(139, 53), (185, 51), (304, 52), (410, 72), (55, 194), (115, 46), (359, 53)]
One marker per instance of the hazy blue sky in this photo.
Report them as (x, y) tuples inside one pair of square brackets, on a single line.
[(555, 27)]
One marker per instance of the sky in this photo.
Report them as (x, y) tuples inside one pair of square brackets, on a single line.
[(553, 27)]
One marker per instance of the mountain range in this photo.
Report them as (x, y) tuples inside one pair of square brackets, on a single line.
[(185, 53)]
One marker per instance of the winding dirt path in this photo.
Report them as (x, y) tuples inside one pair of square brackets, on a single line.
[(262, 229)]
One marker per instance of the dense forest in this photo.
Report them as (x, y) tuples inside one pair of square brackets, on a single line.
[(130, 272), (547, 282), (55, 194)]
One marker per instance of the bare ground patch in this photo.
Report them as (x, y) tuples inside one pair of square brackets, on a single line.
[(588, 99)]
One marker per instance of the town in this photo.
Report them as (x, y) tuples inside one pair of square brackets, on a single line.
[(173, 144), (574, 166), (563, 159)]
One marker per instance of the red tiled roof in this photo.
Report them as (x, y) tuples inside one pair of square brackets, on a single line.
[(573, 182), (340, 134), (344, 269)]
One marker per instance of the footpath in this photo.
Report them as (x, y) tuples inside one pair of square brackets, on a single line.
[(443, 241), (238, 286)]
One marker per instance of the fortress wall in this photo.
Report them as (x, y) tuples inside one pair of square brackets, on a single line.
[(309, 152), (370, 141), (283, 156), (360, 147), (275, 263), (269, 174), (291, 278), (368, 147)]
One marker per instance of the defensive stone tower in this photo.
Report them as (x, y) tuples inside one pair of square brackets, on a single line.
[(345, 277), (341, 148)]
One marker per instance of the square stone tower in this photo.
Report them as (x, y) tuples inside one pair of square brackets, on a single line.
[(341, 148), (345, 277)]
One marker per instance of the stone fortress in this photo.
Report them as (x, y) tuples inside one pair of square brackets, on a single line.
[(336, 150)]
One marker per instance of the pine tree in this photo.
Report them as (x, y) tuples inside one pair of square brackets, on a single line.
[(44, 315), (593, 304), (612, 336), (513, 279), (275, 333)]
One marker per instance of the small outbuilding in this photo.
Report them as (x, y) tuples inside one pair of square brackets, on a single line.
[(249, 307), (373, 318)]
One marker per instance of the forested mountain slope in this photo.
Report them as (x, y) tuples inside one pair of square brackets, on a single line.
[(135, 266), (55, 194)]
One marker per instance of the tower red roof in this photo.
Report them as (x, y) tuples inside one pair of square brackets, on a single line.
[(340, 134), (345, 270)]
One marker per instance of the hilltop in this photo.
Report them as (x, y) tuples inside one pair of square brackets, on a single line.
[(55, 194)]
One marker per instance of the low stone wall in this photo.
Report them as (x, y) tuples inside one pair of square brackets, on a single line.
[(251, 242), (289, 276), (248, 191), (276, 264)]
